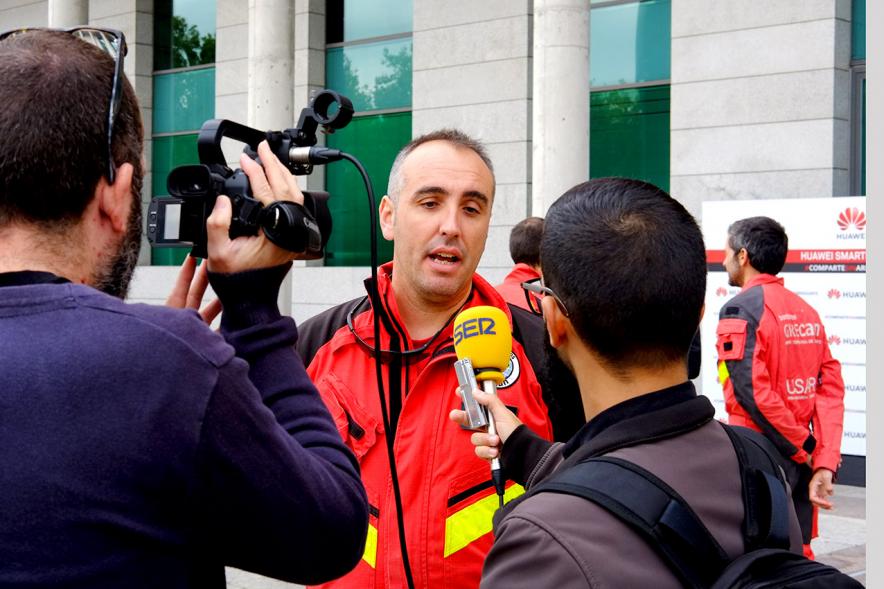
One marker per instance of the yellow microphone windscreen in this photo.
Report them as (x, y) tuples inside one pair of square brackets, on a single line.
[(483, 335)]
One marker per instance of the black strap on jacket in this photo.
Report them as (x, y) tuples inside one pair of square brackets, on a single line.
[(663, 518)]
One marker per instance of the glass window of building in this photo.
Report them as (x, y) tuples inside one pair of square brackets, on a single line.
[(858, 99), (629, 89), (183, 91), (368, 59)]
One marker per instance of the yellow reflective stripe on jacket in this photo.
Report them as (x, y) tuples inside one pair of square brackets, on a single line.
[(371, 546), (723, 373), (474, 521)]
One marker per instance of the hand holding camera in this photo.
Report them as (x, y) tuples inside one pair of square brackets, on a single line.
[(270, 184)]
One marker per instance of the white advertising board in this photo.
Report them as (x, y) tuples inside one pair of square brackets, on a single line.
[(826, 266)]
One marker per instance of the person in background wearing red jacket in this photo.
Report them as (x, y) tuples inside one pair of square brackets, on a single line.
[(778, 374), (525, 252)]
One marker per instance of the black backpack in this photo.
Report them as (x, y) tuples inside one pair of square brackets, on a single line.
[(662, 517)]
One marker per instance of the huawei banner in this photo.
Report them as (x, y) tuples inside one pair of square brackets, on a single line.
[(826, 266)]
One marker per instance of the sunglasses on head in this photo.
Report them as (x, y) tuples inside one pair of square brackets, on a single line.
[(113, 43)]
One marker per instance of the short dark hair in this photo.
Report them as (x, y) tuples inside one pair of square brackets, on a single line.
[(454, 136), (764, 240), (53, 122), (629, 263), (525, 241)]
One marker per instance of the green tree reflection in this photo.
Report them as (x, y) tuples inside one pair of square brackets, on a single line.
[(189, 48)]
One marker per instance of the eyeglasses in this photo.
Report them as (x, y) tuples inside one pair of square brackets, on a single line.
[(112, 42), (537, 287), (532, 299)]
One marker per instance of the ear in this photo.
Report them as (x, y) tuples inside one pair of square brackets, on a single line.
[(702, 311), (387, 217), (743, 257), (115, 200), (556, 322)]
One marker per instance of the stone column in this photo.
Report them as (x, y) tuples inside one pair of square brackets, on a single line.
[(560, 117), (271, 80), (271, 61), (68, 13)]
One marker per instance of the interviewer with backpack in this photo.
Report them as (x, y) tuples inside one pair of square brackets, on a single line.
[(625, 278)]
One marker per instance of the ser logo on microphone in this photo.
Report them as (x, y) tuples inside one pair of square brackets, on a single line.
[(472, 328)]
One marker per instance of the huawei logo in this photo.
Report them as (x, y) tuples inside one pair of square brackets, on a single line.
[(834, 340), (721, 291), (852, 218), (834, 293)]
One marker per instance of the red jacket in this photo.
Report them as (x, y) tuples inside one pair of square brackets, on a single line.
[(778, 374), (447, 497), (511, 288)]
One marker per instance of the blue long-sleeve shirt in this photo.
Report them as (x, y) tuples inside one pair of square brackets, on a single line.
[(140, 449)]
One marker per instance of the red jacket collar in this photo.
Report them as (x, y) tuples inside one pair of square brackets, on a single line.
[(522, 273), (482, 293), (763, 279)]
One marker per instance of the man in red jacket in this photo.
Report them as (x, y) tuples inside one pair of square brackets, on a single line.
[(525, 252), (431, 513), (774, 363)]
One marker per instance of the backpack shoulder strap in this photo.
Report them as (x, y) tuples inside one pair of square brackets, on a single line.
[(652, 509), (765, 502)]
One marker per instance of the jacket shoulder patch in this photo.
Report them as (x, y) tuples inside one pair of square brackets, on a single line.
[(512, 372)]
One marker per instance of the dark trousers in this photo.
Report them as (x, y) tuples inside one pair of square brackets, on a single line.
[(799, 476)]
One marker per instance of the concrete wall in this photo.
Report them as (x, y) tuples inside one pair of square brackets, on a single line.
[(232, 60), (23, 13), (472, 70), (760, 99)]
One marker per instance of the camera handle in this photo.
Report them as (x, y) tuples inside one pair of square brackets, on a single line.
[(209, 140)]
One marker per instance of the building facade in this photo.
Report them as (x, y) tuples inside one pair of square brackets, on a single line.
[(710, 99)]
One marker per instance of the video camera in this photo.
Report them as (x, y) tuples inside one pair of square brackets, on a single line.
[(180, 221)]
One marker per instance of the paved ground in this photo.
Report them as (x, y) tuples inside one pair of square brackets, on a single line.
[(842, 542)]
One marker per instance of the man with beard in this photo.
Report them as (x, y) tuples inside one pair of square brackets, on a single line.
[(774, 364), (137, 447), (431, 504)]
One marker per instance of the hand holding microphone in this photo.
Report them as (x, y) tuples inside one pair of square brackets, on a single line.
[(505, 421), (483, 340)]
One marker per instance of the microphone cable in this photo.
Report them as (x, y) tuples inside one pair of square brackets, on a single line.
[(375, 296)]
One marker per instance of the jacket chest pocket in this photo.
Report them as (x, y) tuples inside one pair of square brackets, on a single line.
[(731, 339), (358, 427)]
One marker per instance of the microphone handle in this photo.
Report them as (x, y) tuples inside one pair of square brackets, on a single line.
[(490, 388)]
